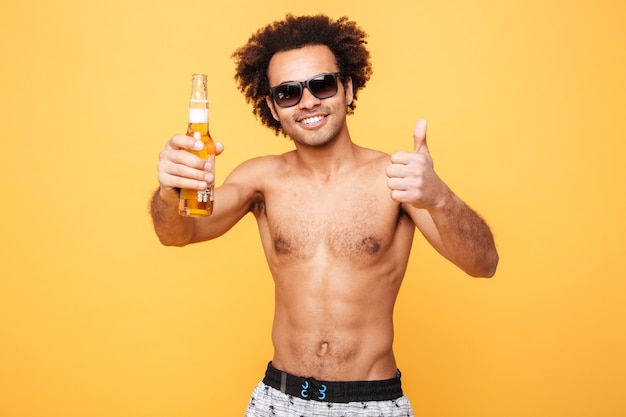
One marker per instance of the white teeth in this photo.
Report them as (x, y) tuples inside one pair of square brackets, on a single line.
[(312, 120)]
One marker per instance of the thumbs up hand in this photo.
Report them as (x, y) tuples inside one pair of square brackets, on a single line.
[(412, 178)]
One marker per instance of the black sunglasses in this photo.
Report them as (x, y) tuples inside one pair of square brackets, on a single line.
[(290, 93)]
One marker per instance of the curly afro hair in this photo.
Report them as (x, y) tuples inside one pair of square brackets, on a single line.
[(342, 36)]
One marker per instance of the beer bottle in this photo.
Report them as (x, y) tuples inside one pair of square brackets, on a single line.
[(198, 203)]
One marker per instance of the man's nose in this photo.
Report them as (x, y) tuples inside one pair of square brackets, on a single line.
[(308, 100)]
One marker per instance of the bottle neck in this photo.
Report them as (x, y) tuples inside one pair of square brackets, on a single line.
[(199, 100)]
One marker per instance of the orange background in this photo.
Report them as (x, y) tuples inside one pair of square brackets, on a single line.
[(526, 102)]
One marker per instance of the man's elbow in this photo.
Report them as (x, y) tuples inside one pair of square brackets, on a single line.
[(487, 268), (167, 240)]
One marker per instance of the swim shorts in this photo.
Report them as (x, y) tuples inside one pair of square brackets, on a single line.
[(284, 395)]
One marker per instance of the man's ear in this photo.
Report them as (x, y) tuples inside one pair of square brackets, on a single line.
[(349, 90), (270, 104)]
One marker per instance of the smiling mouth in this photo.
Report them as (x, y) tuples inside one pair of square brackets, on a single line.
[(312, 120)]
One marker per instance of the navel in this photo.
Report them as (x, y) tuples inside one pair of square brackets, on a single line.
[(322, 349)]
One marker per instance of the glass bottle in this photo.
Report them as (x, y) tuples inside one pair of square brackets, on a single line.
[(199, 203)]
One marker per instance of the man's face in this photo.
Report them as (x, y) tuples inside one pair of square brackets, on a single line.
[(313, 121)]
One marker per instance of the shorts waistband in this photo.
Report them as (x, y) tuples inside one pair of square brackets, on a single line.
[(335, 392)]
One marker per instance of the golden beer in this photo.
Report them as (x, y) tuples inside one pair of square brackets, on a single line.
[(199, 203)]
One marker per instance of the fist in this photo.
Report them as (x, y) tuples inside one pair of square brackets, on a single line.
[(179, 167)]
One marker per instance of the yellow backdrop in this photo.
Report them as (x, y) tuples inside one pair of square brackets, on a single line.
[(526, 102)]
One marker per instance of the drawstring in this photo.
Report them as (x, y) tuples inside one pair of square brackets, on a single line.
[(311, 387)]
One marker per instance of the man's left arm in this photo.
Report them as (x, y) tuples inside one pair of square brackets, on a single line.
[(452, 227)]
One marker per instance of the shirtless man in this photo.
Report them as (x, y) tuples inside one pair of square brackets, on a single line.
[(336, 221)]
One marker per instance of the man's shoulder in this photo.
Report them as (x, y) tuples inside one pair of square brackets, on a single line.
[(265, 162), (370, 151), (259, 167), (373, 156)]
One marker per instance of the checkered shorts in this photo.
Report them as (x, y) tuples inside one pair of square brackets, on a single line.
[(269, 402)]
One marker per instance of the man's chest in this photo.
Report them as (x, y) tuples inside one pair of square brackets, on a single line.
[(349, 222)]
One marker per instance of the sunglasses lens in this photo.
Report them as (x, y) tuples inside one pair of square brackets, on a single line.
[(324, 86), (288, 94)]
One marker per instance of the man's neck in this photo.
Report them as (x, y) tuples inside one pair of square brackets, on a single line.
[(327, 161)]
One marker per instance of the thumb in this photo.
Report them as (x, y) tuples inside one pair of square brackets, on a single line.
[(419, 136)]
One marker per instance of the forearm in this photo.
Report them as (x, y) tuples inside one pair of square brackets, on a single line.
[(466, 239), (171, 228)]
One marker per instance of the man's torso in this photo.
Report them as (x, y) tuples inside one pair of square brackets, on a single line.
[(337, 249)]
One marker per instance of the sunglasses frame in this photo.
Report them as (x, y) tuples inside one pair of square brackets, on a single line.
[(306, 84)]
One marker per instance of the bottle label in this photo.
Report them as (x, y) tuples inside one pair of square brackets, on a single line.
[(198, 115), (206, 195)]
